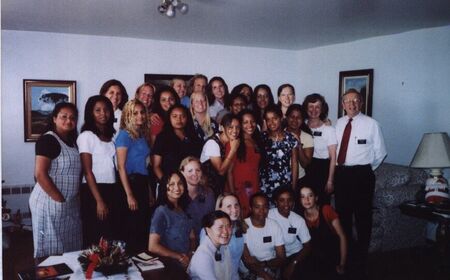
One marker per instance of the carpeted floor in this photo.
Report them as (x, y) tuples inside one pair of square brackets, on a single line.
[(409, 264)]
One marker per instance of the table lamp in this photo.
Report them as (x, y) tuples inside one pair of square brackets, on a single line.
[(434, 153)]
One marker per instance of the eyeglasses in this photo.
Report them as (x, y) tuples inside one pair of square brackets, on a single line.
[(355, 100)]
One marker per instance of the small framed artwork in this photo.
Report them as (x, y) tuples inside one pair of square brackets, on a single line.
[(39, 100), (164, 79), (361, 80)]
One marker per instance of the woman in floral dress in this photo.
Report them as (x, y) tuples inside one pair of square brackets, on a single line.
[(280, 165)]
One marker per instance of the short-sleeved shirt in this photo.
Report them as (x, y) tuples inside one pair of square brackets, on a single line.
[(201, 205), (137, 152), (261, 242), (48, 146), (173, 150), (173, 228), (324, 136), (210, 149), (295, 231), (306, 141), (103, 154), (329, 214)]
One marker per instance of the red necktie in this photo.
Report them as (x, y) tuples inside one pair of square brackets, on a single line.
[(344, 142)]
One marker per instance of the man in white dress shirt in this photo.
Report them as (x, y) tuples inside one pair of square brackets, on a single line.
[(360, 150)]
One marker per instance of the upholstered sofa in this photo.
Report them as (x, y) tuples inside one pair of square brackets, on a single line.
[(391, 229)]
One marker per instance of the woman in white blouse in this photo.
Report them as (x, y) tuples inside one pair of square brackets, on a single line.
[(212, 259), (98, 188)]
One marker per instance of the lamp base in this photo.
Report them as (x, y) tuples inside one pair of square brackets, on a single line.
[(436, 189)]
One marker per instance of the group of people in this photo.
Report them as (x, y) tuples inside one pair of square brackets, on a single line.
[(226, 185)]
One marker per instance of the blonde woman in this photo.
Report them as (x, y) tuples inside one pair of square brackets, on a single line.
[(201, 197), (145, 93), (204, 125), (132, 152)]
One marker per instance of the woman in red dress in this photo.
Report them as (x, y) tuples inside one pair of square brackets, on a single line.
[(243, 175)]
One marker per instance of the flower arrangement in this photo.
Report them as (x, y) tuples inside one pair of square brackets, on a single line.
[(108, 257)]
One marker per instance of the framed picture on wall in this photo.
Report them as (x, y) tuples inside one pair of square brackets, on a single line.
[(361, 80), (164, 79), (39, 100)]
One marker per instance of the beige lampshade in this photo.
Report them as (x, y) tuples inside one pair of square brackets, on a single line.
[(433, 151)]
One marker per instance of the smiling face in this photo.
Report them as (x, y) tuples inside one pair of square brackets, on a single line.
[(262, 98), (145, 95), (114, 95), (230, 205), (314, 110), (307, 198), (139, 115), (237, 105), (175, 188), (273, 122), (198, 103), (220, 232), (248, 124), (285, 203), (65, 121), (294, 120), (180, 87), (232, 130), (351, 102), (192, 172), (101, 114), (166, 100), (199, 85), (286, 97), (218, 90), (178, 118)]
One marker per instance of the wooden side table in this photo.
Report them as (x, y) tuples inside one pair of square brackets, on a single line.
[(433, 213)]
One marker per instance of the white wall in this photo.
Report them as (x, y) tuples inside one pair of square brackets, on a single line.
[(91, 60), (411, 76), (411, 95)]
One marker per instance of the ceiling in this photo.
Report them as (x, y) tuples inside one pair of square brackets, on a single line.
[(280, 24)]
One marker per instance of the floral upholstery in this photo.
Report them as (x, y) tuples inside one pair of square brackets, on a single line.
[(391, 229)]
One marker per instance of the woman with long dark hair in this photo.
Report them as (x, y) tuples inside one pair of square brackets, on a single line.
[(54, 201), (117, 94), (286, 97), (98, 188), (217, 92), (243, 175), (165, 97), (176, 141), (171, 232), (262, 98), (214, 158)]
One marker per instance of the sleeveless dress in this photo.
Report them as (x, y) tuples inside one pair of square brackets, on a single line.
[(57, 225), (246, 176)]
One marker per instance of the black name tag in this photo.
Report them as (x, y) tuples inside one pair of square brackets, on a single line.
[(238, 234), (267, 239), (317, 133), (362, 141), (292, 230)]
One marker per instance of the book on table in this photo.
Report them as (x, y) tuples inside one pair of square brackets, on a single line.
[(146, 262), (55, 271)]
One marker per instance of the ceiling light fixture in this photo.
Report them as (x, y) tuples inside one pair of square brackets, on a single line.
[(168, 7)]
